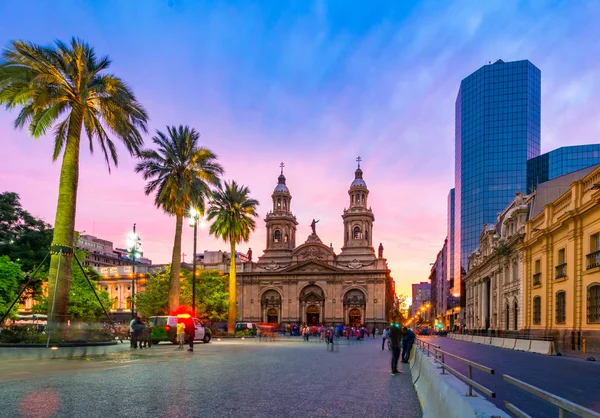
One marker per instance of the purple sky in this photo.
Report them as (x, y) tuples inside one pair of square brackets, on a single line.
[(313, 84)]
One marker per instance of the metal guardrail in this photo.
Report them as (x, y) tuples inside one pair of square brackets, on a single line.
[(564, 406), (440, 358)]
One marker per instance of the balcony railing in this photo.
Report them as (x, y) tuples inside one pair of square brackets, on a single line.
[(537, 279), (561, 271), (593, 260)]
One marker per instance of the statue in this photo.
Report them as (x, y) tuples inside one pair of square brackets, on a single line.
[(380, 250), (313, 225), (249, 254)]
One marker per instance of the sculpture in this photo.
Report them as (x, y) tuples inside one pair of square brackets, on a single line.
[(249, 254), (313, 225), (380, 250)]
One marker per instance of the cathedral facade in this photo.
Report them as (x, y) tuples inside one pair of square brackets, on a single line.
[(309, 283)]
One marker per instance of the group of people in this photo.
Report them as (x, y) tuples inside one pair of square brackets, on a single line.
[(400, 339), (140, 333)]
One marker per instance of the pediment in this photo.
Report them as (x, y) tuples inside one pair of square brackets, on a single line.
[(312, 267)]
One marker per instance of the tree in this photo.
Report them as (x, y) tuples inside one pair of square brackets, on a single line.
[(181, 173), (65, 86), (83, 305), (154, 299), (233, 213), (10, 277), (23, 238)]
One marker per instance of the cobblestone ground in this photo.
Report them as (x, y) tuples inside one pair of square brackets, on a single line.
[(286, 378), (571, 378)]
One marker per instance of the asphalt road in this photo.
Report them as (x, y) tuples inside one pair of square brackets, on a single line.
[(225, 379), (572, 378)]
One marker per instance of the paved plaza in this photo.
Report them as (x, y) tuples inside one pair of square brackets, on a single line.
[(241, 378), (572, 378)]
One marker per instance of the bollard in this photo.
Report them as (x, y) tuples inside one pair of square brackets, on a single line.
[(584, 346)]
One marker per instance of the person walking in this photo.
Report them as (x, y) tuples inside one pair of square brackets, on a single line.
[(180, 334), (373, 332), (190, 332), (138, 332), (330, 334), (395, 337), (131, 333), (408, 339), (386, 335)]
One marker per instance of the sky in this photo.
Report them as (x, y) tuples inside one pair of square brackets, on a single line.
[(313, 84)]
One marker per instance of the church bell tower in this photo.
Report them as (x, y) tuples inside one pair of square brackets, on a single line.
[(280, 222), (358, 222)]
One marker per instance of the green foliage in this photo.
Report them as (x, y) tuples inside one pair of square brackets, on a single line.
[(23, 238), (10, 277), (211, 294), (83, 305)]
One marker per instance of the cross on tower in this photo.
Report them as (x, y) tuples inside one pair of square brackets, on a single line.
[(282, 165), (358, 160)]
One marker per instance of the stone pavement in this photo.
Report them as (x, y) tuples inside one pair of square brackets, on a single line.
[(572, 378), (287, 378)]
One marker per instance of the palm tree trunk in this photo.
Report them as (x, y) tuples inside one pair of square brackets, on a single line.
[(232, 292), (174, 282), (59, 281)]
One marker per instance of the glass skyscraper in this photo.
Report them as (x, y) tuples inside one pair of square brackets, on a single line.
[(450, 246), (559, 162), (497, 130)]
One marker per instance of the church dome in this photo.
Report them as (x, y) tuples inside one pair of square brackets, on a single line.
[(358, 180), (281, 187)]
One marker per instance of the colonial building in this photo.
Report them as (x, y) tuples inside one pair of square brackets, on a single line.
[(562, 253), (311, 283), (493, 283)]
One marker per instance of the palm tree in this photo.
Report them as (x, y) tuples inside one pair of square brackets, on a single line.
[(66, 86), (181, 173), (233, 212)]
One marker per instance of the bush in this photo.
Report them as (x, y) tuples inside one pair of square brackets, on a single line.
[(37, 335)]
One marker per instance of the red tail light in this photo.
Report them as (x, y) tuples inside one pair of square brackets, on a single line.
[(168, 328)]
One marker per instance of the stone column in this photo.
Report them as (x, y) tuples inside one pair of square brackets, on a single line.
[(486, 302)]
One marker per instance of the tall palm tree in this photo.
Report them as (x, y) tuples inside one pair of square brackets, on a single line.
[(181, 173), (66, 86), (234, 213)]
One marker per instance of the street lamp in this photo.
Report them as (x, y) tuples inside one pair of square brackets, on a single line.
[(134, 249), (193, 220)]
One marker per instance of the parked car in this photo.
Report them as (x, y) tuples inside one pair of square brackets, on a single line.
[(164, 328), (243, 326)]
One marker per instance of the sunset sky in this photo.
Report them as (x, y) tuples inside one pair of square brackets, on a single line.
[(312, 84)]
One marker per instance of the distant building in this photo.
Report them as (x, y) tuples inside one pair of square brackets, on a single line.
[(100, 253), (440, 289), (421, 294)]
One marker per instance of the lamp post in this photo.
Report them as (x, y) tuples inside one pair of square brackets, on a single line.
[(194, 218), (134, 248)]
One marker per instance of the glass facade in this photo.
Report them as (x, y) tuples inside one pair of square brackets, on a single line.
[(559, 162), (497, 131), (450, 245)]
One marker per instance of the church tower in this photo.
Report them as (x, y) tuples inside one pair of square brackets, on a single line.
[(281, 223), (358, 222)]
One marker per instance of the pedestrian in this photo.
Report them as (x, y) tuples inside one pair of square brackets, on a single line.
[(376, 332), (131, 333), (408, 339), (362, 333), (395, 337), (386, 335), (190, 332), (330, 335), (138, 332), (373, 332), (180, 334)]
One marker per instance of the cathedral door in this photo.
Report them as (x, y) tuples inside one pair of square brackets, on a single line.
[(355, 317), (272, 316), (313, 314)]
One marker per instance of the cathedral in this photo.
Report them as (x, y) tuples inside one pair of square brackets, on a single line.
[(309, 283)]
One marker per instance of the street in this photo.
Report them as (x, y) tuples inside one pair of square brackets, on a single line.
[(242, 378), (572, 378)]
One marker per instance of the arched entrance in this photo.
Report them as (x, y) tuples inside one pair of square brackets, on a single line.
[(313, 313), (355, 317), (272, 316), (355, 304)]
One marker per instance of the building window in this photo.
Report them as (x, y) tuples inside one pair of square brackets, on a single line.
[(277, 236), (278, 203), (285, 238), (537, 310), (515, 272), (593, 258), (356, 232), (561, 308), (537, 275), (593, 303), (561, 268)]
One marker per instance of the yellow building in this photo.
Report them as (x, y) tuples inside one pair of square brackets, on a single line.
[(562, 261)]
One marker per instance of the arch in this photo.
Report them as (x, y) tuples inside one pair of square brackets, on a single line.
[(354, 317), (277, 236), (363, 198), (356, 232), (268, 289), (278, 203), (593, 303), (314, 289), (351, 288)]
